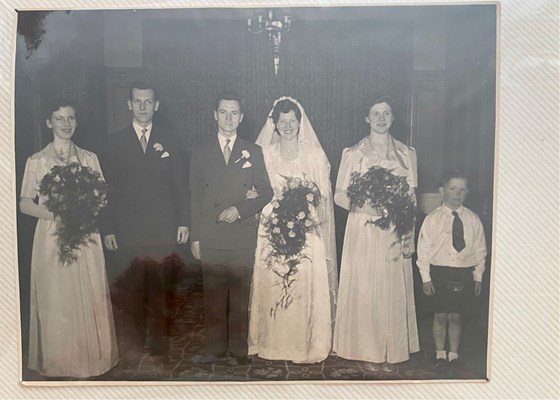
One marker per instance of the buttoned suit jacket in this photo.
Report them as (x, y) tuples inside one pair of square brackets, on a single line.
[(148, 192), (215, 186)]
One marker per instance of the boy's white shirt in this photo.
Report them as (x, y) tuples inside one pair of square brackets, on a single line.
[(435, 243)]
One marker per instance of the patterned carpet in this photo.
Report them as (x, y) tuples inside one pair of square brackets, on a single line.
[(187, 346)]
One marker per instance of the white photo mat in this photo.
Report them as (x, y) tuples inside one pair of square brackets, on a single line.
[(524, 341)]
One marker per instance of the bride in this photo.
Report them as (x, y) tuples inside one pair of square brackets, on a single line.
[(293, 303)]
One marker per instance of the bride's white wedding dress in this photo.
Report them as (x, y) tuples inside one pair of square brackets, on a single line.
[(302, 332)]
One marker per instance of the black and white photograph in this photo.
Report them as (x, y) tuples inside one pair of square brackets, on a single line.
[(256, 194)]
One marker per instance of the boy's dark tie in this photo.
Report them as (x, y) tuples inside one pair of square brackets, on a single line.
[(458, 234)]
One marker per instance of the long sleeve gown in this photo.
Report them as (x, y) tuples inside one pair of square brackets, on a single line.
[(303, 331)]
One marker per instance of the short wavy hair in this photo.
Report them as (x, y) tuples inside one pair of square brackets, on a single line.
[(284, 107), (55, 104), (142, 85), (228, 95)]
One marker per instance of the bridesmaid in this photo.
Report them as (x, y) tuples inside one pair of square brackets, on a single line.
[(71, 322), (376, 315)]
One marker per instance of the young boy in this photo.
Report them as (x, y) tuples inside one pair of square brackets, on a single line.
[(451, 257)]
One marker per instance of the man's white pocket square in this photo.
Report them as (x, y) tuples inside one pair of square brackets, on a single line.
[(164, 154), (247, 164)]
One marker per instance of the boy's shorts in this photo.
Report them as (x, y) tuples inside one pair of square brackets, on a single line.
[(454, 289)]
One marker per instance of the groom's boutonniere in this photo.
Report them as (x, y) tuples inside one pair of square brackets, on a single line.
[(159, 147), (245, 155)]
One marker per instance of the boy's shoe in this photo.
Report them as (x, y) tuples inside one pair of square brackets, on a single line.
[(442, 363), (454, 363)]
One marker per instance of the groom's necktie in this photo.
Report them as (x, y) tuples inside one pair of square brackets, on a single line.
[(457, 232), (227, 151), (143, 141)]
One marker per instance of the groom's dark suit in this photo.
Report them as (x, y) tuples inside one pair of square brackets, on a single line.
[(227, 250), (148, 200)]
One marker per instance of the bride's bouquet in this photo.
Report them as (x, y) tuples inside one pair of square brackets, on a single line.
[(75, 194), (389, 195), (287, 229)]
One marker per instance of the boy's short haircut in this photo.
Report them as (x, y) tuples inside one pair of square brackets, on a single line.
[(452, 174)]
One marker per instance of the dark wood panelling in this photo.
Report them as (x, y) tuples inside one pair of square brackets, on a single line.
[(428, 127), (471, 101)]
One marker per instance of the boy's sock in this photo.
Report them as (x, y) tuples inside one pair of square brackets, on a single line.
[(453, 356), (442, 354)]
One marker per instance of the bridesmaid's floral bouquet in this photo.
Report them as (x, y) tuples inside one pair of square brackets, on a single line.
[(75, 194), (286, 229), (389, 195)]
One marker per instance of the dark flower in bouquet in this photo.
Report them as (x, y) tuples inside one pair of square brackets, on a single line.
[(287, 229), (75, 194), (389, 195)]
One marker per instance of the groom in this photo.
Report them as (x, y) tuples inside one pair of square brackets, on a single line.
[(225, 173)]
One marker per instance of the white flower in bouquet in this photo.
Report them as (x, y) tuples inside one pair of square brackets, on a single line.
[(292, 209)]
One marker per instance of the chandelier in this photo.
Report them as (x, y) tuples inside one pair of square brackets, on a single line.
[(275, 29)]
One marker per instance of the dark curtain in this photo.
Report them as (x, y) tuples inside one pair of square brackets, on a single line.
[(334, 68)]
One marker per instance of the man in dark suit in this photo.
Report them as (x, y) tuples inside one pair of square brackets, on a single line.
[(146, 215), (229, 186)]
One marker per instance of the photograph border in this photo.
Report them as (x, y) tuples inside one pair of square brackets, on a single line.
[(500, 234)]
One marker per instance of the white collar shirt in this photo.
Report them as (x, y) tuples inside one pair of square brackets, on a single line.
[(435, 243), (138, 129), (222, 140)]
